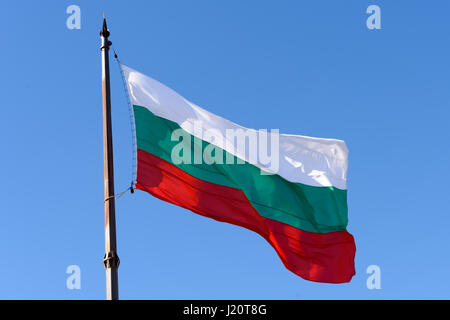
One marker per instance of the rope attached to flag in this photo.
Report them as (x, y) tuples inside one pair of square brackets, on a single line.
[(118, 195), (132, 125)]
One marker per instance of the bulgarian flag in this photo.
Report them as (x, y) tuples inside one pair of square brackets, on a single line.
[(297, 201)]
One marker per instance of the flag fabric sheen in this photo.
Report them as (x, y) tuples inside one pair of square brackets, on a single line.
[(301, 210)]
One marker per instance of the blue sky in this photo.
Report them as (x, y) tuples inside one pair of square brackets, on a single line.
[(310, 68)]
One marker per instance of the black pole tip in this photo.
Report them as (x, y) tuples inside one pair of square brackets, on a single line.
[(104, 32)]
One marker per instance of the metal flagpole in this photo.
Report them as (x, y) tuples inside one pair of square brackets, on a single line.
[(111, 260)]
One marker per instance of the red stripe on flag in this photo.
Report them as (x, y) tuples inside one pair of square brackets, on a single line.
[(322, 257)]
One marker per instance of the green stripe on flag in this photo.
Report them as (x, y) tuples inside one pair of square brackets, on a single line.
[(309, 208)]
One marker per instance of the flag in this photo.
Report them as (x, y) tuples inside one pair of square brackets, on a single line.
[(294, 196)]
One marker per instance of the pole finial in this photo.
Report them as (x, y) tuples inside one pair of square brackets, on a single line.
[(104, 32)]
